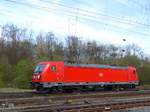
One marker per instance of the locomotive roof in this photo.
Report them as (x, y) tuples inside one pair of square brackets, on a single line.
[(90, 65), (97, 66)]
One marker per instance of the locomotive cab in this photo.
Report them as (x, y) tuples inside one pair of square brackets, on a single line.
[(38, 75), (134, 75), (47, 73)]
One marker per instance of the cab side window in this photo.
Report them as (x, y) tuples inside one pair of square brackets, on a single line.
[(134, 72), (53, 68)]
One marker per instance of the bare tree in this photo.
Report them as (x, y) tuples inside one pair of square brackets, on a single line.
[(47, 46), (17, 46), (73, 49)]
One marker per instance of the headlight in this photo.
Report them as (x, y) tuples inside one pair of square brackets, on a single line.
[(34, 77), (39, 76)]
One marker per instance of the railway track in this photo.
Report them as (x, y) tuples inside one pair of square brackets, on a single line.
[(34, 92), (74, 95), (6, 95), (31, 102), (85, 105)]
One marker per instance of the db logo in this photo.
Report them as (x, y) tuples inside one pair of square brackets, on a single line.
[(100, 74)]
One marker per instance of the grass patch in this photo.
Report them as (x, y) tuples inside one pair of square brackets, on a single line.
[(14, 90)]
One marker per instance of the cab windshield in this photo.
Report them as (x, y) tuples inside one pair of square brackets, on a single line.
[(39, 68)]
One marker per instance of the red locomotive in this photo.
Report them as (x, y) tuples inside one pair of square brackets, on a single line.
[(48, 75)]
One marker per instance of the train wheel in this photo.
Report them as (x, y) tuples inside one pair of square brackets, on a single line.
[(133, 86), (59, 89), (68, 89), (108, 88)]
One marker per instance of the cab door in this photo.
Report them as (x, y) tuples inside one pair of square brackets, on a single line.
[(57, 71)]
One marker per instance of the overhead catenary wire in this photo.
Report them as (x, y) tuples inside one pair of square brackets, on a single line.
[(124, 20), (83, 11), (84, 14)]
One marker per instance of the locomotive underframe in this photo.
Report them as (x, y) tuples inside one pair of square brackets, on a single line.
[(75, 84)]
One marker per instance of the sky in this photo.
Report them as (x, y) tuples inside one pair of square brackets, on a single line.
[(105, 21)]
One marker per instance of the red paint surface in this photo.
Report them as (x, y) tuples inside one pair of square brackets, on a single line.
[(65, 73)]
